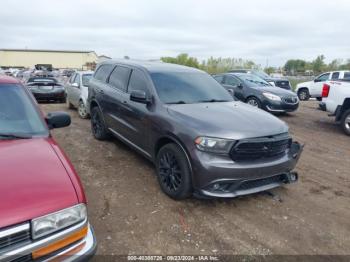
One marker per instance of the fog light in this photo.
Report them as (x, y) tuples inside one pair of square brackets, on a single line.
[(293, 177), (216, 186)]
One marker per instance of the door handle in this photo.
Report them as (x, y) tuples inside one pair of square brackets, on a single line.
[(125, 102)]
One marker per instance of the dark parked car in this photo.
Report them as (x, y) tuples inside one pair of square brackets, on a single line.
[(46, 89), (255, 91), (201, 141), (279, 82)]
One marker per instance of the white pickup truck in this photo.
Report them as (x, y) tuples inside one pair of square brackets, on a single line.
[(313, 88), (336, 98)]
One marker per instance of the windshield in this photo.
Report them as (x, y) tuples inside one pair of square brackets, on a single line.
[(86, 78), (186, 88), (252, 80), (261, 74), (18, 114)]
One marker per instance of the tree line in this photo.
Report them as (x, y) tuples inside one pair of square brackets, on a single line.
[(292, 67), (318, 65), (211, 65)]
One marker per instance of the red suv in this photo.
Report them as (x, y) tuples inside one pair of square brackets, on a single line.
[(43, 213)]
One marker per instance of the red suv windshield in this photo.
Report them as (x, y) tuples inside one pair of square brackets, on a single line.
[(18, 114)]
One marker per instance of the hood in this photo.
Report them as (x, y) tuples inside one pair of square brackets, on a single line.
[(275, 90), (230, 120), (33, 181)]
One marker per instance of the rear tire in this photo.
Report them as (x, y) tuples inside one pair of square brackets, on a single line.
[(173, 172), (82, 110), (345, 122), (303, 94), (98, 127)]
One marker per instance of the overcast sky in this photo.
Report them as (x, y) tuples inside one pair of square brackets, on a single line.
[(261, 30)]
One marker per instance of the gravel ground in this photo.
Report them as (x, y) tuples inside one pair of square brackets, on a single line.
[(132, 216)]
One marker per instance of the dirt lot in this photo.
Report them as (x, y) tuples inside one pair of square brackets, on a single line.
[(132, 216)]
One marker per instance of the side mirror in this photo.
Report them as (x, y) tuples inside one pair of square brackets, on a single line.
[(58, 120), (139, 96), (240, 86), (75, 85)]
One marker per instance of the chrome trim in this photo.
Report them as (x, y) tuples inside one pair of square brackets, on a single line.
[(89, 244), (14, 230), (27, 249), (284, 100), (274, 110)]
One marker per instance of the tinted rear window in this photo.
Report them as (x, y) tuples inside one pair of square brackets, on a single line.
[(103, 72), (120, 77)]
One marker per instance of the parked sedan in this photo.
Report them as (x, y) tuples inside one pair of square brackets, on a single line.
[(255, 91), (43, 212), (46, 89), (78, 92), (279, 82)]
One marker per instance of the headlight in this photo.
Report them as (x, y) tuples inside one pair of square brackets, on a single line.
[(272, 83), (48, 224), (272, 97), (214, 145)]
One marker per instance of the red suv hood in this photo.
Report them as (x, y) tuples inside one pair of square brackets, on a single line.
[(33, 181)]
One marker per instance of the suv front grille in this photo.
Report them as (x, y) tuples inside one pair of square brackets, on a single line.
[(259, 148), (13, 236), (283, 84)]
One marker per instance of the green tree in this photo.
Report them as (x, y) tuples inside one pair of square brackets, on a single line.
[(269, 70), (294, 66), (318, 65), (182, 59), (211, 65)]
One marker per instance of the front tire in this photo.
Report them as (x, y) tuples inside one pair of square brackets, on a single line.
[(253, 101), (345, 122), (173, 172), (303, 94), (98, 127)]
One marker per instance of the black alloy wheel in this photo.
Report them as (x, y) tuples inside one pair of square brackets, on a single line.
[(173, 172), (98, 127)]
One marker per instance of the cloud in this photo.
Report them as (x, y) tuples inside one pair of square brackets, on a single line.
[(259, 30)]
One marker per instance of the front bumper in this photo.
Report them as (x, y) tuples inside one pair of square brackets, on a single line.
[(81, 250), (85, 254), (280, 107), (49, 95), (220, 176)]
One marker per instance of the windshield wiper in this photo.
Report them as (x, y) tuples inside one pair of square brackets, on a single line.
[(14, 136), (213, 100), (177, 102)]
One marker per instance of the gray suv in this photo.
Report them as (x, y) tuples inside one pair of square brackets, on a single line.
[(201, 141)]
